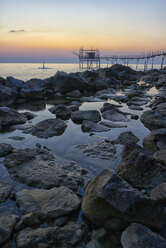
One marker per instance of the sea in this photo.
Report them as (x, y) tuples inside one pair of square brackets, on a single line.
[(26, 71)]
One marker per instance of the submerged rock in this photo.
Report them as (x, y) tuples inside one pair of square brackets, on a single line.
[(7, 224), (48, 204), (5, 190), (108, 196), (102, 150), (9, 116), (139, 236), (47, 128), (36, 167), (81, 115), (90, 126)]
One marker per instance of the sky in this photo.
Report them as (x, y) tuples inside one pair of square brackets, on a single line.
[(36, 30)]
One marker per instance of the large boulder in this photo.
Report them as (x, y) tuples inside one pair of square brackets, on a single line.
[(108, 196), (37, 167), (14, 83), (48, 204), (139, 236), (64, 82), (7, 96), (9, 116), (154, 119), (47, 128), (7, 224), (80, 115), (33, 89)]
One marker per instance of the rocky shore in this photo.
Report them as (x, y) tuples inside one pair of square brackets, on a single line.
[(59, 203)]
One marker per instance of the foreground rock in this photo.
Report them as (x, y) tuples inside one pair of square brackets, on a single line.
[(47, 128), (7, 96), (139, 236), (90, 126), (102, 150), (37, 167), (81, 115), (5, 190), (7, 224), (155, 140), (154, 119), (9, 116), (108, 196), (48, 204), (67, 236), (159, 193), (14, 83)]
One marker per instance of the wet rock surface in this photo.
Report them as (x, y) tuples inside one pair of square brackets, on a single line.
[(115, 115), (81, 115), (5, 190), (126, 136), (139, 236), (37, 167), (48, 128), (5, 149), (90, 126)]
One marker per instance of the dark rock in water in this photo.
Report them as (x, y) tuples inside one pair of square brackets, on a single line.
[(47, 128), (134, 117), (124, 137), (73, 108), (37, 167), (7, 224), (139, 236), (63, 237), (134, 107), (100, 84), (48, 204), (61, 112), (64, 82), (155, 140), (108, 196), (154, 119), (33, 89), (7, 96), (102, 150), (141, 170), (159, 193), (109, 106), (90, 126), (5, 149), (111, 124), (10, 117), (49, 86), (5, 190), (81, 115), (115, 115), (14, 83), (2, 81), (17, 138), (29, 115)]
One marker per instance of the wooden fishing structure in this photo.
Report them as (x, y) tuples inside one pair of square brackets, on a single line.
[(91, 58)]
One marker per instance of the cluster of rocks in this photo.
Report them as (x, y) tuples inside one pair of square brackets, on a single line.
[(122, 208)]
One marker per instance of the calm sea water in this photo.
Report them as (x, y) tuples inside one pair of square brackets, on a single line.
[(25, 71)]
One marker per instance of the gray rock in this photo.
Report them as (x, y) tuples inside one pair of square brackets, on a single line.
[(10, 117), (36, 167), (7, 223), (47, 128), (5, 190), (115, 115), (124, 137), (2, 81), (159, 193), (14, 83), (7, 96), (33, 89), (90, 99), (90, 126), (98, 234), (111, 124), (30, 219), (154, 119), (108, 195), (29, 115), (48, 204), (139, 236), (94, 244), (5, 149), (74, 93), (61, 112), (73, 108), (16, 138), (102, 150), (100, 84), (134, 107), (109, 106), (155, 140), (81, 115)]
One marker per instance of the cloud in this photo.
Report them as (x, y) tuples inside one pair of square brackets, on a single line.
[(17, 31)]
